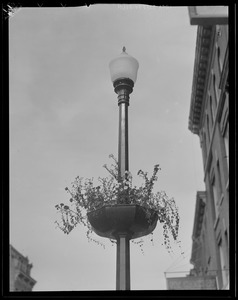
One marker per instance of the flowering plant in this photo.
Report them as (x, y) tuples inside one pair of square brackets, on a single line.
[(85, 197)]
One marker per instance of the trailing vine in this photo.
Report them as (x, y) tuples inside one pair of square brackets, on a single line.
[(86, 197)]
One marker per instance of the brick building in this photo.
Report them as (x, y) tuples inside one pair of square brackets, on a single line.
[(209, 119), (20, 279)]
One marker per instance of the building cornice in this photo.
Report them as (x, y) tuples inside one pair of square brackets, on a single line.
[(201, 65)]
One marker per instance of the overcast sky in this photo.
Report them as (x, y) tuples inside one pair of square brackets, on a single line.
[(64, 123)]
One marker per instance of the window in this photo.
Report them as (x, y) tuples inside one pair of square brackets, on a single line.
[(219, 179), (209, 260), (204, 147), (212, 109), (227, 241), (23, 267), (223, 264), (220, 64), (208, 129), (227, 249), (204, 249), (215, 197), (215, 88), (226, 142)]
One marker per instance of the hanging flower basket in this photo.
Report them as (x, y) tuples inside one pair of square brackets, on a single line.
[(115, 206), (132, 220)]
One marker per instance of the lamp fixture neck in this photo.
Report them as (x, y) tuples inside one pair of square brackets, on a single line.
[(123, 84)]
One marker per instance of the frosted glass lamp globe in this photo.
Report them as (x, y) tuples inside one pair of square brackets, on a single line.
[(123, 66)]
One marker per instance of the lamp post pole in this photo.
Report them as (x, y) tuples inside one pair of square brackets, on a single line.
[(123, 87), (122, 221), (123, 74)]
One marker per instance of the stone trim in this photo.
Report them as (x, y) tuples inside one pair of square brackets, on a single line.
[(201, 64)]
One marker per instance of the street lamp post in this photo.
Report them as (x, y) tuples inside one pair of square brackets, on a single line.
[(123, 70), (123, 221)]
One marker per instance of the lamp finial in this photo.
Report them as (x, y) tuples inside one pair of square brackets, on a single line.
[(124, 49)]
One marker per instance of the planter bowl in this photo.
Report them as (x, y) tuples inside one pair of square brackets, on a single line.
[(111, 220)]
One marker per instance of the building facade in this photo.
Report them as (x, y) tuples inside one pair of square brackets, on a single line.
[(204, 250), (20, 269), (209, 119)]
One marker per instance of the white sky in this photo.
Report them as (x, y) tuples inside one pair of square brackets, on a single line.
[(64, 123)]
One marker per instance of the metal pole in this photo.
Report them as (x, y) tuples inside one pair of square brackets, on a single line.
[(123, 158), (123, 262), (123, 88)]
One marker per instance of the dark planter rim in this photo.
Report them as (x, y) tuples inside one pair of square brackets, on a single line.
[(135, 222)]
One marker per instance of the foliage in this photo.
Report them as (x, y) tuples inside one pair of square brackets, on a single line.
[(85, 197)]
